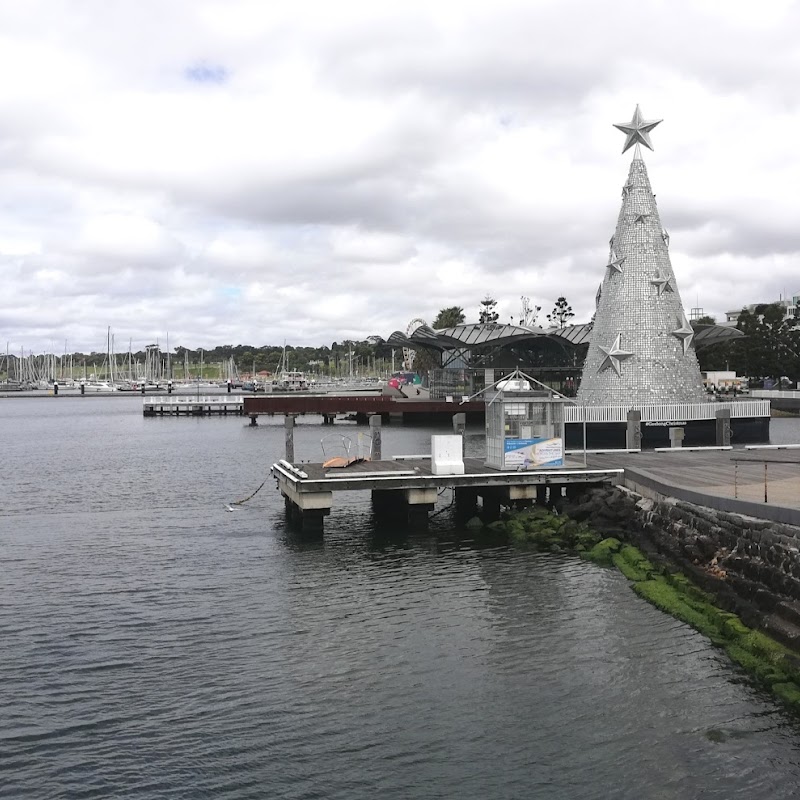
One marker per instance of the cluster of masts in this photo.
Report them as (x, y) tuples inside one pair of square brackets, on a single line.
[(157, 367)]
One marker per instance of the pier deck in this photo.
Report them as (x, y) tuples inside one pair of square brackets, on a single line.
[(410, 485), (362, 406), (762, 483), (188, 405), (759, 483)]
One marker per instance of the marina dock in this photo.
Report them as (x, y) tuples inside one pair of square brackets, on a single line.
[(408, 486), (361, 406), (763, 483), (190, 406)]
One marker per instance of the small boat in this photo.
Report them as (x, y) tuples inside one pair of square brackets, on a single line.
[(99, 386), (293, 381), (136, 386)]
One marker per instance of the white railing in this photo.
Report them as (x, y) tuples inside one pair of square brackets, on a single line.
[(778, 394), (667, 412), (193, 400), (595, 413)]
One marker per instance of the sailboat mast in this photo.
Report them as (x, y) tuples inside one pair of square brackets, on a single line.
[(108, 350)]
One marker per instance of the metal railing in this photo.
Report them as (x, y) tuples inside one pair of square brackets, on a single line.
[(667, 412), (777, 394), (193, 400)]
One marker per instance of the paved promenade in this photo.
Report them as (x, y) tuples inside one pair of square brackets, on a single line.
[(758, 483)]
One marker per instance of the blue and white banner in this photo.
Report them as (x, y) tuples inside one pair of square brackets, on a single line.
[(533, 453)]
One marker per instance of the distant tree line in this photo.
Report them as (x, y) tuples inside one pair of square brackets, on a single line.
[(769, 350), (366, 357)]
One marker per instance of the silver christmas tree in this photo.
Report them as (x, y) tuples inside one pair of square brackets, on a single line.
[(641, 350)]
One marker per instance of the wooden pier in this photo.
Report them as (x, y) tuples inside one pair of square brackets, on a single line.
[(763, 483), (604, 426), (362, 406), (408, 486), (189, 406)]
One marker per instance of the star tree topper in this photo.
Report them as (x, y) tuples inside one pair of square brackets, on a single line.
[(637, 131)]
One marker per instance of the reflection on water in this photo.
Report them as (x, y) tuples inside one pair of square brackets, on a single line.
[(155, 645), (784, 430)]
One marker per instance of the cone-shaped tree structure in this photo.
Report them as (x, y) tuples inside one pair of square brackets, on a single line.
[(641, 350)]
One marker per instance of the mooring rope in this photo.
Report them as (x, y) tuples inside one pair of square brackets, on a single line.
[(448, 506), (250, 497)]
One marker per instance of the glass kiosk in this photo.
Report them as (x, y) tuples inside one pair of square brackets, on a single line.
[(524, 429)]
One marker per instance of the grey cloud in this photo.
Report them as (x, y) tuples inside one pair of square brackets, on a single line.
[(358, 225)]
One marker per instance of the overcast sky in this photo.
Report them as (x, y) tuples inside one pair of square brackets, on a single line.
[(248, 172)]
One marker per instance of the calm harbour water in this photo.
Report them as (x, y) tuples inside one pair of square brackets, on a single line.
[(156, 646)]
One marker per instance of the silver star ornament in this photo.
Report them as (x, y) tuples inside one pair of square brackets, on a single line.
[(662, 284), (615, 264), (637, 131), (685, 333), (614, 356)]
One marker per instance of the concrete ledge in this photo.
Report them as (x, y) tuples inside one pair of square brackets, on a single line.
[(306, 501), (772, 447), (694, 449), (522, 492), (416, 497), (605, 451)]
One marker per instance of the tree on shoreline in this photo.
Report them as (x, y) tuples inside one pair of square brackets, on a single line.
[(448, 318), (561, 313), (771, 344), (488, 313)]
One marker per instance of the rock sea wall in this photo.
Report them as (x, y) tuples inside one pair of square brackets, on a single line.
[(750, 618), (751, 566)]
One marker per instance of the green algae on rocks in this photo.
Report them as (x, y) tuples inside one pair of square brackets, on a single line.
[(768, 661), (541, 529)]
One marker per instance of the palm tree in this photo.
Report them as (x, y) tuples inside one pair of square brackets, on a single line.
[(449, 318)]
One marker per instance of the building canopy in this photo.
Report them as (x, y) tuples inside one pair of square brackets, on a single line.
[(480, 336)]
